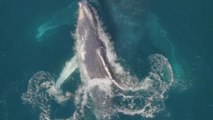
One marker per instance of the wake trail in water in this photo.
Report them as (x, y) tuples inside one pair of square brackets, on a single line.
[(60, 18)]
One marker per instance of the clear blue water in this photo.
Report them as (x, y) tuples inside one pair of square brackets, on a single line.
[(35, 36)]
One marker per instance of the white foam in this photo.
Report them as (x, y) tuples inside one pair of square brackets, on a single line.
[(35, 95), (41, 90), (87, 91), (68, 69), (152, 98)]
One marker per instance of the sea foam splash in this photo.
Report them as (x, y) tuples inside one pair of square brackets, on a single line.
[(41, 91), (140, 97)]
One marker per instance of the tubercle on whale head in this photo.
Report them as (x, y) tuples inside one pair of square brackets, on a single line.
[(84, 8), (86, 11)]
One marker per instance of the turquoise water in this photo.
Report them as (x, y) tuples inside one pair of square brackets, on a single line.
[(35, 36)]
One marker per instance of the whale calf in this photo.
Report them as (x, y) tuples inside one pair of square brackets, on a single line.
[(92, 49)]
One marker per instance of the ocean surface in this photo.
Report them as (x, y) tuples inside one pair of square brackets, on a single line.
[(174, 35)]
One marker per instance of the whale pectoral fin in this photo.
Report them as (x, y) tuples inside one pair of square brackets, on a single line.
[(101, 55), (67, 71)]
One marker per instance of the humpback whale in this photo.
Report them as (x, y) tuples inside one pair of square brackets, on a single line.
[(93, 50), (107, 89)]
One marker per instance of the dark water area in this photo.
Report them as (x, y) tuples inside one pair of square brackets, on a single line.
[(180, 30), (189, 23), (21, 55)]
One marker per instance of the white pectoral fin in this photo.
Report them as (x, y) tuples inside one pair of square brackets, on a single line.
[(67, 71)]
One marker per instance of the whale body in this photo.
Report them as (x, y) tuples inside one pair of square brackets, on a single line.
[(92, 50)]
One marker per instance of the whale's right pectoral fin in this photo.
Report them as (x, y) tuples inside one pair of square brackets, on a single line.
[(67, 71)]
